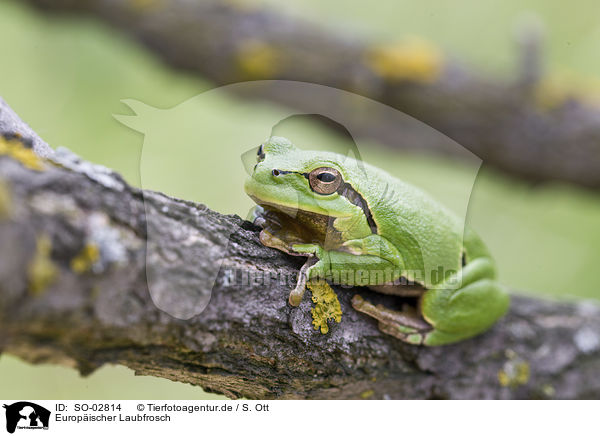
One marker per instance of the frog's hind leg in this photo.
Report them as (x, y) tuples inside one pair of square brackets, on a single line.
[(469, 304), (404, 325)]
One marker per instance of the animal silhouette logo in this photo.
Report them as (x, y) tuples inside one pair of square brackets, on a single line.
[(26, 415)]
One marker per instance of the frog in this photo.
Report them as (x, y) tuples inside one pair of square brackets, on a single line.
[(357, 225)]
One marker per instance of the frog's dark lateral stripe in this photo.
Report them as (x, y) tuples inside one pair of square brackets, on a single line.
[(346, 190)]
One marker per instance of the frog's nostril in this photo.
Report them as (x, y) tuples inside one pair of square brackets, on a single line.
[(275, 172)]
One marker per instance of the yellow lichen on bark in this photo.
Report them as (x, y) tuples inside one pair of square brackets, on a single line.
[(414, 60), (18, 150), (515, 371), (86, 258), (327, 306), (556, 88), (41, 271), (258, 60), (5, 200)]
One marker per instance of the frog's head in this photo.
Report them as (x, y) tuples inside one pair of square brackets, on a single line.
[(290, 179)]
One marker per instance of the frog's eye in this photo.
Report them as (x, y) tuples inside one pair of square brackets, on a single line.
[(260, 154), (324, 180)]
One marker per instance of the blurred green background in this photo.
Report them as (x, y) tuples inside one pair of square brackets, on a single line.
[(66, 77)]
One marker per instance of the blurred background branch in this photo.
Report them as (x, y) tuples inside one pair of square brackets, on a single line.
[(68, 299), (521, 125)]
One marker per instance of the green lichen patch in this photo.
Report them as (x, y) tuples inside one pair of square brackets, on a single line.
[(41, 271), (367, 394), (87, 257), (327, 306), (17, 149), (548, 391)]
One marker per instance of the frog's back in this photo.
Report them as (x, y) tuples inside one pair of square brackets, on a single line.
[(427, 234)]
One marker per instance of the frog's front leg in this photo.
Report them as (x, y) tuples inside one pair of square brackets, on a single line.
[(374, 256), (316, 265), (373, 245)]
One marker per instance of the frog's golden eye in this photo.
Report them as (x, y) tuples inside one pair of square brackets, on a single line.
[(324, 180)]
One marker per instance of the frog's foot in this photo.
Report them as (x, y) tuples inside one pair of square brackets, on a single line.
[(405, 325)]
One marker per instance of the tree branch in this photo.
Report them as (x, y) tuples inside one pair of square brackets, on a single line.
[(73, 285), (521, 126)]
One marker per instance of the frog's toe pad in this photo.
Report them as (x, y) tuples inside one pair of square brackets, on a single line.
[(414, 337)]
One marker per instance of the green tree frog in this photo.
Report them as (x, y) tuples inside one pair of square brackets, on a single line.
[(358, 225)]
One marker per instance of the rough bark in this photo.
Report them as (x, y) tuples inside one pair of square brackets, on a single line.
[(518, 125), (61, 303)]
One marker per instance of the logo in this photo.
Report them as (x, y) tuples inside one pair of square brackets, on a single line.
[(26, 415)]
